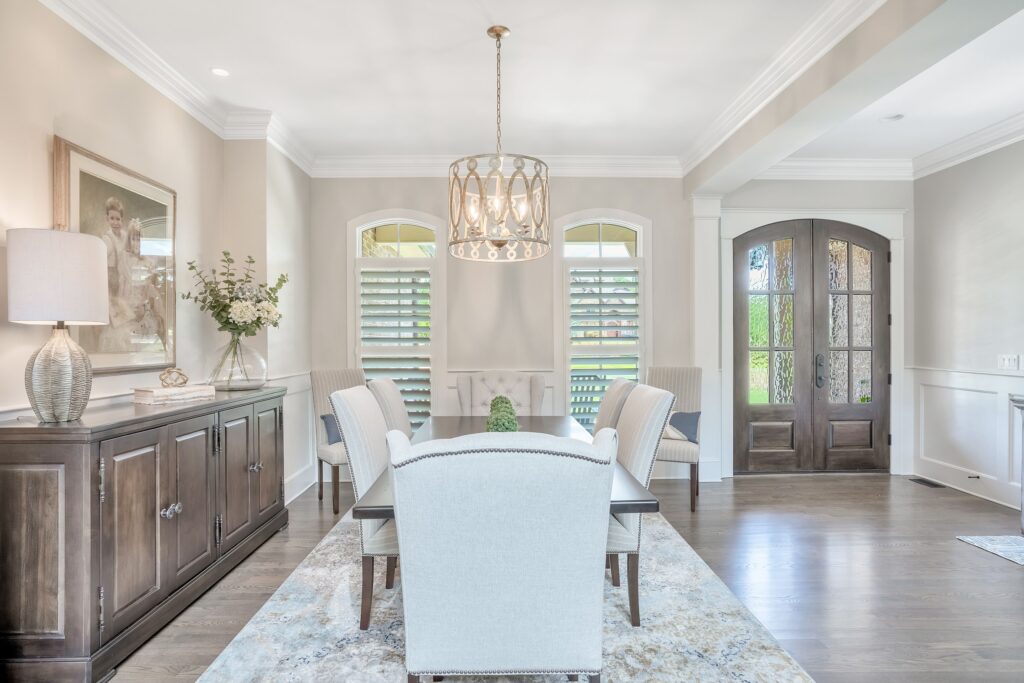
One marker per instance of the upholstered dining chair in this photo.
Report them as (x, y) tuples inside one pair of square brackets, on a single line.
[(389, 398), (640, 426), (330, 450), (525, 390), (611, 404), (364, 430), (678, 445), (478, 589)]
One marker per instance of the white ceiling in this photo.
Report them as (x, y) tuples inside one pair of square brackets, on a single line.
[(407, 77), (977, 87)]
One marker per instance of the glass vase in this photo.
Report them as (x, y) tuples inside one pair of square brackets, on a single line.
[(238, 367)]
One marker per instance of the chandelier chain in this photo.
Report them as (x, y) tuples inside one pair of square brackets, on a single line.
[(498, 106)]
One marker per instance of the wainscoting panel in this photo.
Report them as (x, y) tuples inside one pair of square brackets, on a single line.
[(967, 434)]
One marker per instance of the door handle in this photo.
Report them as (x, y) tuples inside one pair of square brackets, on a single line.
[(819, 370)]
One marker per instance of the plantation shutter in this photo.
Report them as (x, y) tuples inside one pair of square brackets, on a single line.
[(604, 334), (394, 333)]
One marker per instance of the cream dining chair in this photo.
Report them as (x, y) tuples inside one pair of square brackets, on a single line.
[(364, 430), (525, 390), (685, 384), (330, 450), (640, 426), (478, 587), (611, 403), (389, 398)]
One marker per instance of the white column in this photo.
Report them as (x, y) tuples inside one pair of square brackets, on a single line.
[(706, 213)]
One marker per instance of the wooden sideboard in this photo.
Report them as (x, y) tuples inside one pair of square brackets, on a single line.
[(112, 525)]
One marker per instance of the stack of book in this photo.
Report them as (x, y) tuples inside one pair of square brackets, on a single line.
[(162, 395)]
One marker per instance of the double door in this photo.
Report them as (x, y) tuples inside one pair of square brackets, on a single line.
[(176, 497), (811, 331)]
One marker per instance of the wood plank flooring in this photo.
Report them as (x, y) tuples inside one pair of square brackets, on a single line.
[(860, 577)]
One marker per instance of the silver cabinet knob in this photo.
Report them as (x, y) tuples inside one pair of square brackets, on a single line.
[(254, 467), (259, 467), (177, 508), (168, 512)]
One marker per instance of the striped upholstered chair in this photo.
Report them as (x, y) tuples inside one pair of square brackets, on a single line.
[(685, 384), (330, 449)]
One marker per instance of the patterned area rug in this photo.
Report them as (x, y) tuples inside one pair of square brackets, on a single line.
[(694, 628), (1008, 547)]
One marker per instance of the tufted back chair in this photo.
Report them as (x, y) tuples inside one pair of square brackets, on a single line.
[(525, 390)]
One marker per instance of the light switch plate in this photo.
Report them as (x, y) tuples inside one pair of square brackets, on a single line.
[(1008, 361)]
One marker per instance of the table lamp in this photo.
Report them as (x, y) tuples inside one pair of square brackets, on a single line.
[(57, 278)]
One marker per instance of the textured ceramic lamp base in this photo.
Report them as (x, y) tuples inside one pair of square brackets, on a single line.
[(58, 379)]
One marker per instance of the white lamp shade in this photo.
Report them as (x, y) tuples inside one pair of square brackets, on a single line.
[(54, 276)]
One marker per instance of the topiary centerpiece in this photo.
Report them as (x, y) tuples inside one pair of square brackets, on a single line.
[(503, 416)]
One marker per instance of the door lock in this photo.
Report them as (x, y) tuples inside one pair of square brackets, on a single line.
[(819, 370)]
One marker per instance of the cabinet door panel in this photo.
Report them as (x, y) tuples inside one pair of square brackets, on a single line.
[(235, 499), (269, 460), (193, 481), (133, 531)]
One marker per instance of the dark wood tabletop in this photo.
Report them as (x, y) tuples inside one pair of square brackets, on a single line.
[(628, 495)]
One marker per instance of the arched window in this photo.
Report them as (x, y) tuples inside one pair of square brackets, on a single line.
[(394, 328), (604, 319)]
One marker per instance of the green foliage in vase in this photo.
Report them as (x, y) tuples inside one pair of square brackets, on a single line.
[(238, 303), (503, 416), (502, 403)]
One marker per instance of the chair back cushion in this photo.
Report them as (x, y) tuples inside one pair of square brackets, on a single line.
[(389, 397), (476, 390), (324, 383), (502, 579), (364, 432), (640, 428), (684, 383), (611, 405)]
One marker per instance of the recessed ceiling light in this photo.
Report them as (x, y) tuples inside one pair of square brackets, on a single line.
[(217, 71), (892, 118)]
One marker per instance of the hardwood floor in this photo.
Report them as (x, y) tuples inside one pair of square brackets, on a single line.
[(860, 577)]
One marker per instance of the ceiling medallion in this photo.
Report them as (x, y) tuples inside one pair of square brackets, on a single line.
[(498, 203)]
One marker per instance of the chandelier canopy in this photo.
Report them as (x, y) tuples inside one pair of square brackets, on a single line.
[(498, 203)]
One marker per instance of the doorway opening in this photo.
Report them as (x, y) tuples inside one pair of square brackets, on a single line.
[(811, 361)]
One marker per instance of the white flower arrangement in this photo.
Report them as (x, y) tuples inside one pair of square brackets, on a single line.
[(236, 301)]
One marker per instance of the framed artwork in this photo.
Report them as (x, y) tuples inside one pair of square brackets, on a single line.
[(134, 216)]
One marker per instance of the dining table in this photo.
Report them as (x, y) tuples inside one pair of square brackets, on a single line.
[(628, 494)]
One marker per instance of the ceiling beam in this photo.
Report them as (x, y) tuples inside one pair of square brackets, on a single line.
[(897, 42)]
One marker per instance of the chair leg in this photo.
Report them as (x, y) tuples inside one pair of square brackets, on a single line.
[(389, 581), (364, 614), (413, 679), (613, 561), (633, 579), (320, 479), (594, 678), (574, 677), (693, 487), (696, 470), (336, 486)]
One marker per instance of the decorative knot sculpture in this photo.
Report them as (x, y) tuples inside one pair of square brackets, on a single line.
[(173, 377)]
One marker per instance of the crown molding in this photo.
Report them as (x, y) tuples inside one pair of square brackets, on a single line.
[(807, 168), (833, 23), (102, 27), (436, 166), (281, 137), (989, 139), (246, 124)]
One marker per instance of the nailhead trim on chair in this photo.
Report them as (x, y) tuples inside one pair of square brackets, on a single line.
[(500, 450)]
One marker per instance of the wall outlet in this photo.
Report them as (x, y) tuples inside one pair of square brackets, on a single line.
[(1008, 361)]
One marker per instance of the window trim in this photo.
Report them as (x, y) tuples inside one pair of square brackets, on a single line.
[(436, 266), (563, 349)]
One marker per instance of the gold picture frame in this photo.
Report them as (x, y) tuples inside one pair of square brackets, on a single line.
[(135, 216)]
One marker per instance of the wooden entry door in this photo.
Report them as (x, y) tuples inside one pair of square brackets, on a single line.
[(811, 348)]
